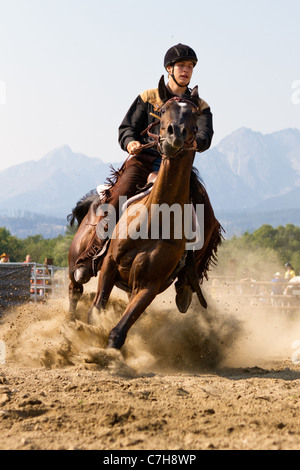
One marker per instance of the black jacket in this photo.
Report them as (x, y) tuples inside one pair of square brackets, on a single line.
[(139, 117)]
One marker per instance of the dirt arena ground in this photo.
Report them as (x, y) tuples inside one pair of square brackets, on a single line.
[(179, 383)]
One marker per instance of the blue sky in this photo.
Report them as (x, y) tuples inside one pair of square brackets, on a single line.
[(69, 69)]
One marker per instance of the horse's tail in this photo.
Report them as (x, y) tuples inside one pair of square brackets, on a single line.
[(82, 207)]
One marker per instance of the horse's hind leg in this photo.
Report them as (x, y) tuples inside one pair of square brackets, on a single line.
[(135, 308)]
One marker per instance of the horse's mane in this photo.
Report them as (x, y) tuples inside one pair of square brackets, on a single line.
[(210, 258), (196, 177), (82, 207), (114, 176)]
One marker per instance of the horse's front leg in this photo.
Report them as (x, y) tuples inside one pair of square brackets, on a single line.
[(106, 283), (137, 305), (75, 293), (80, 276), (75, 289)]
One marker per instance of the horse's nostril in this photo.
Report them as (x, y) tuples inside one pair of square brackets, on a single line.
[(170, 129)]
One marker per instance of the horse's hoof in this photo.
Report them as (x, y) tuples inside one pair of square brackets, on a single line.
[(71, 316), (184, 297), (115, 341), (82, 275), (93, 315), (90, 316)]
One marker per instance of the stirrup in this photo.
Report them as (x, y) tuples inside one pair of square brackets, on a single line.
[(98, 257), (140, 188)]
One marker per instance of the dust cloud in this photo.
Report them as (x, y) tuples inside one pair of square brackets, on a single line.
[(220, 379), (230, 334), (267, 332)]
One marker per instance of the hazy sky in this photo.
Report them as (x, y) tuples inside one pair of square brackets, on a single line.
[(69, 69)]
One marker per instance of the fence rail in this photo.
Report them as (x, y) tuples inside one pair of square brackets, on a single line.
[(268, 295)]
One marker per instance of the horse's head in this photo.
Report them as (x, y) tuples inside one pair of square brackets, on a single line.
[(178, 123)]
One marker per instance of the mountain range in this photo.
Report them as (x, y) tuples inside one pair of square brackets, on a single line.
[(251, 178), (250, 170)]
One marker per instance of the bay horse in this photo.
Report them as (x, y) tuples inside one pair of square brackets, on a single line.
[(84, 213), (147, 266)]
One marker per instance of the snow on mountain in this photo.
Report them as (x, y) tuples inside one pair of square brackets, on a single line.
[(248, 168)]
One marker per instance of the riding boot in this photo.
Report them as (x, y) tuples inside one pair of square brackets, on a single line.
[(92, 255), (184, 293)]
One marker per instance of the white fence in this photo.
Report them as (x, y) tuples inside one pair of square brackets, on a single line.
[(260, 294), (46, 281)]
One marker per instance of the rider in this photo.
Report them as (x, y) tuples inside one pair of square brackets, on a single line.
[(179, 62)]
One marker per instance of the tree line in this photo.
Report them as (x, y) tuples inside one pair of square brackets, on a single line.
[(266, 245), (37, 247), (263, 252)]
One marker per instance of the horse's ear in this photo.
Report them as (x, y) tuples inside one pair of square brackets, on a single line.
[(195, 96), (163, 91), (195, 92)]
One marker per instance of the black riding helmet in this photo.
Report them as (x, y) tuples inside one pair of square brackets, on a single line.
[(178, 53)]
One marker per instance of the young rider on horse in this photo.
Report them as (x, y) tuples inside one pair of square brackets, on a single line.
[(179, 62)]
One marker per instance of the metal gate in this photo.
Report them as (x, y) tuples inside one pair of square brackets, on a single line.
[(46, 281)]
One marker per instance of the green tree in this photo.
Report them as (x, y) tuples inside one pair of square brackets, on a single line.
[(10, 244), (36, 246), (264, 236), (263, 252), (61, 251)]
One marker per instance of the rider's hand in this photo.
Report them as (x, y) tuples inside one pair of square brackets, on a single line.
[(133, 146)]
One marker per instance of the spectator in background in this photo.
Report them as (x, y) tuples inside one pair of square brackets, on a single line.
[(290, 273), (277, 284), (277, 290), (48, 262), (28, 259), (4, 258)]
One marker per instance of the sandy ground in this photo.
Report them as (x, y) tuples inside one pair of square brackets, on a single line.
[(179, 383)]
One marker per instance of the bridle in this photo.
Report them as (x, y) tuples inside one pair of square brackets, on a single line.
[(157, 139)]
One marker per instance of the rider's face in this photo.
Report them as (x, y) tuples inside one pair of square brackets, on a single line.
[(183, 72)]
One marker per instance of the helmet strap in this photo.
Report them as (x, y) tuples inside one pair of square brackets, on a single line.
[(173, 76)]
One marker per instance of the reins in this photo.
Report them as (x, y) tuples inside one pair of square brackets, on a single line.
[(157, 139)]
